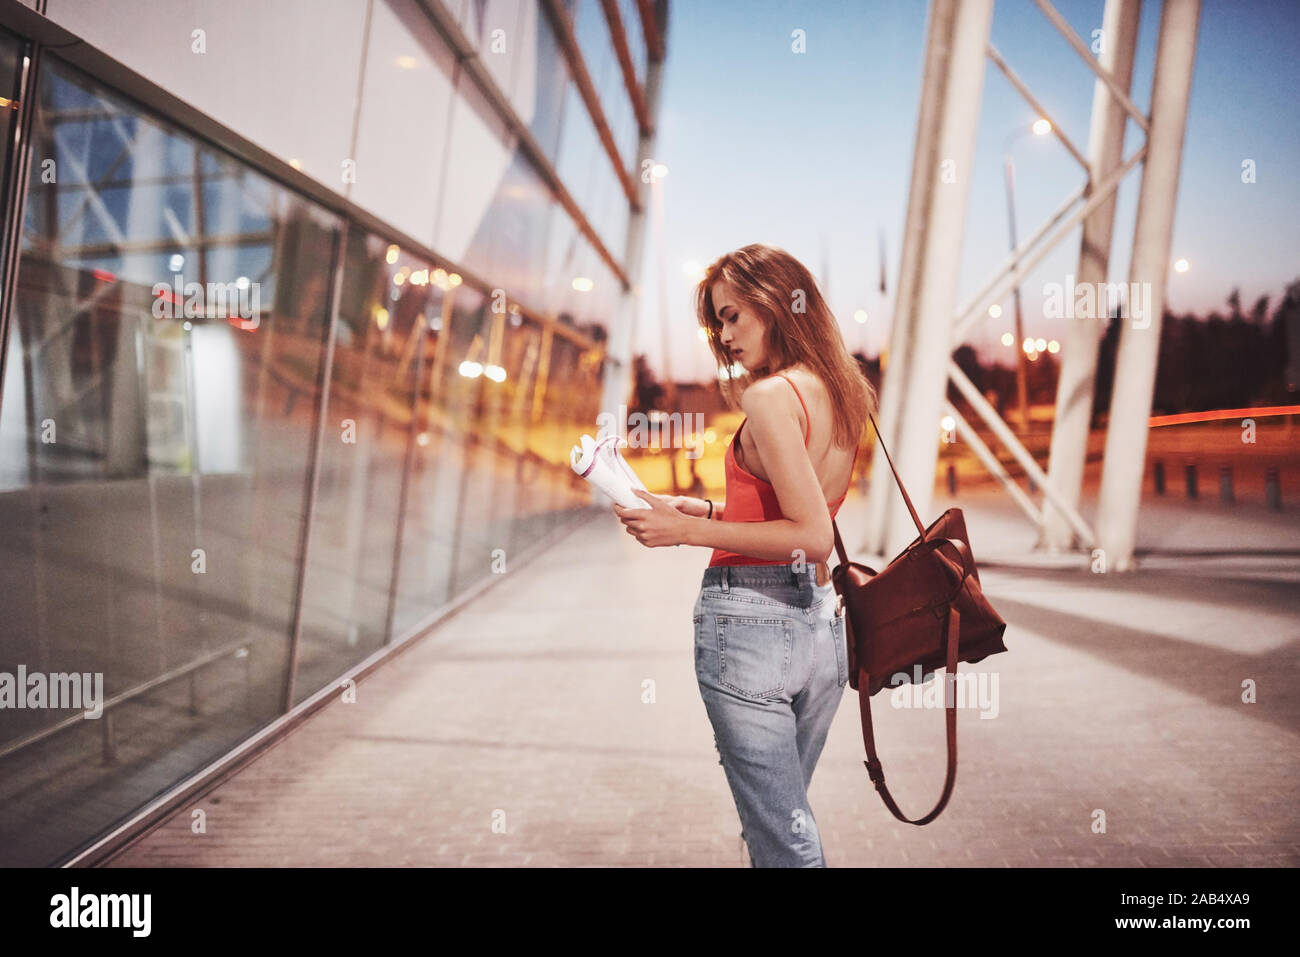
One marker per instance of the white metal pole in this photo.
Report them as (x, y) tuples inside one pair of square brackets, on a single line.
[(925, 173), (945, 173), (1075, 387), (1139, 347)]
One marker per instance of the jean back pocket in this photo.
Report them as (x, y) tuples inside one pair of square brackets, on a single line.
[(754, 654)]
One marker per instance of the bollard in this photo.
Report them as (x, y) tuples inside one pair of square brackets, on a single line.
[(1160, 478), (952, 479), (1189, 471), (1272, 490), (1225, 484)]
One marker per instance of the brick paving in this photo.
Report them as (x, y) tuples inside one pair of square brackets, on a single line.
[(556, 721)]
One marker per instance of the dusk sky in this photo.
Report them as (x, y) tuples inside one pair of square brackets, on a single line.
[(813, 152)]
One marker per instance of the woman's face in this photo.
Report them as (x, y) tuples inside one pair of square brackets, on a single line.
[(742, 331)]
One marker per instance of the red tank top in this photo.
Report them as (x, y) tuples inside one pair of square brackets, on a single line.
[(752, 499)]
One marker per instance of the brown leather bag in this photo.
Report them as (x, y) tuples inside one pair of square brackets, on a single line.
[(924, 609)]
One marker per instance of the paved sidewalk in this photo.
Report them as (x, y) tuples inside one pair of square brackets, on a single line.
[(556, 721)]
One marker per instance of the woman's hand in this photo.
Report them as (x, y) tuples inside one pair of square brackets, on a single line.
[(661, 524)]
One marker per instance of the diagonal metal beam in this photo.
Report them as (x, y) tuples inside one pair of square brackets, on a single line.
[(1019, 253), (1104, 75), (562, 26), (1037, 107), (1026, 266), (1019, 452), (618, 30), (990, 462)]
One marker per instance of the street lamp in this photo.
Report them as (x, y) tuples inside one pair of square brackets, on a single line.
[(1039, 127)]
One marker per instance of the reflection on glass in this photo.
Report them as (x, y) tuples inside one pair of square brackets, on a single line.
[(160, 394), (384, 315)]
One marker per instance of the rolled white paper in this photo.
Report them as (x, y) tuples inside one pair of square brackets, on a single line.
[(601, 464)]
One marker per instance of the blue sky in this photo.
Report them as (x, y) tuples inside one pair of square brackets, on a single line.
[(813, 153)]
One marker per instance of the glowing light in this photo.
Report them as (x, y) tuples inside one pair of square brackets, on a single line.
[(470, 369), (1042, 127), (582, 284), (422, 438), (947, 423), (381, 318), (704, 335), (658, 171), (995, 311), (1008, 339), (391, 256), (407, 62), (453, 280), (1181, 266), (1040, 345), (860, 316), (1053, 346), (296, 164), (495, 373), (710, 436), (176, 262), (1028, 345)]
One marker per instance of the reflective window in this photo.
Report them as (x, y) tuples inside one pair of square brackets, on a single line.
[(544, 108), (161, 388), (384, 311)]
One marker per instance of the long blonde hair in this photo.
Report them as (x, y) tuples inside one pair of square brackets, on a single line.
[(800, 328)]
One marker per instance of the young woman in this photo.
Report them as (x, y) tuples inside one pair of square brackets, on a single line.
[(770, 654)]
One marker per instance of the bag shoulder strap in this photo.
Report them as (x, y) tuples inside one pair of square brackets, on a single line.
[(839, 545), (906, 498), (874, 769)]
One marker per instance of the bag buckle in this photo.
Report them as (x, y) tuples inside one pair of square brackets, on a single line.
[(875, 771)]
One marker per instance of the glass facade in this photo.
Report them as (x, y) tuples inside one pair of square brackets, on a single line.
[(247, 440)]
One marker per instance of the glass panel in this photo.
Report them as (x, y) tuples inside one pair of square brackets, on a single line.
[(383, 320), (161, 386), (549, 88), (437, 490)]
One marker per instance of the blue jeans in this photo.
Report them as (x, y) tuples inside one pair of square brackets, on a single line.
[(771, 662)]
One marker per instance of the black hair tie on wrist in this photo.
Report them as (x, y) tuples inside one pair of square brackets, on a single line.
[(710, 501)]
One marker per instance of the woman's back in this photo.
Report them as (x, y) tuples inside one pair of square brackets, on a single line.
[(834, 466)]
